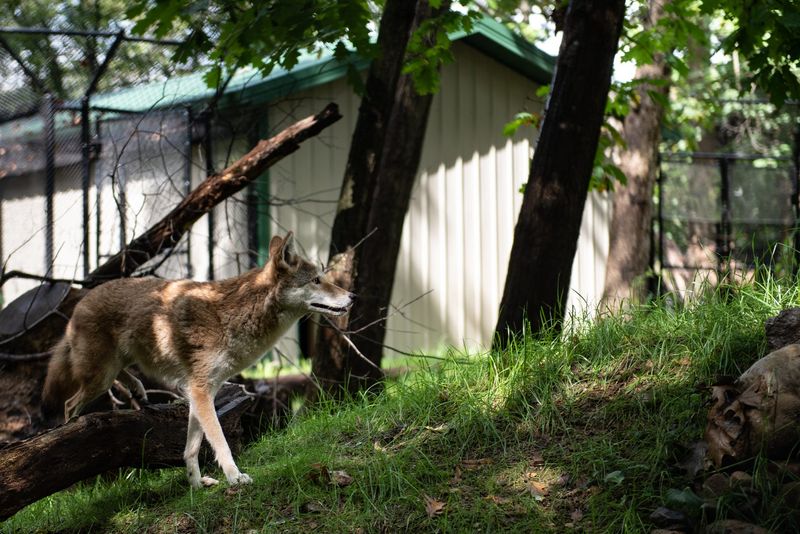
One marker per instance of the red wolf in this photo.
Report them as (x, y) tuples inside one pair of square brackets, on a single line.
[(194, 335)]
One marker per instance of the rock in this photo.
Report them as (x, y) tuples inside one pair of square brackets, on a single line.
[(783, 330), (732, 526), (664, 517), (760, 412), (790, 495), (740, 479), (716, 486)]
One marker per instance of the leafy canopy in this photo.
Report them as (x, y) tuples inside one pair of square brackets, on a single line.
[(261, 34), (266, 34)]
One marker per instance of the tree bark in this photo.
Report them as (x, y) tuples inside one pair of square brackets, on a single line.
[(376, 190), (166, 233), (630, 245), (546, 234), (95, 443)]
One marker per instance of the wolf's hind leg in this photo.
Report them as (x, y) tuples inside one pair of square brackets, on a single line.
[(202, 405), (134, 384)]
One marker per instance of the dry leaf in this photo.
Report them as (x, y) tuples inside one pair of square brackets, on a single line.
[(497, 500), (456, 475), (442, 429), (340, 478), (576, 515), (537, 459), (563, 480), (477, 464), (433, 507), (319, 473), (315, 507), (537, 489)]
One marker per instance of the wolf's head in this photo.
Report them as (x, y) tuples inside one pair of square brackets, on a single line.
[(301, 285)]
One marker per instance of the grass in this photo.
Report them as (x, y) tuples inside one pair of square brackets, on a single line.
[(581, 431)]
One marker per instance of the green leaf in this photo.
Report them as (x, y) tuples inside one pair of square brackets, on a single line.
[(685, 500)]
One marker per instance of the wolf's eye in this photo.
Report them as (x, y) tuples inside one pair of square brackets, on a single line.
[(317, 280)]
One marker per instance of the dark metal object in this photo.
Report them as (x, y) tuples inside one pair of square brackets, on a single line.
[(208, 151), (28, 72), (724, 234), (30, 308), (48, 110), (252, 207), (796, 198), (85, 176), (112, 51), (86, 148), (187, 182), (86, 33)]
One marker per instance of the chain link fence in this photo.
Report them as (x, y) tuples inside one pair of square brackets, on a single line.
[(722, 215), (101, 135)]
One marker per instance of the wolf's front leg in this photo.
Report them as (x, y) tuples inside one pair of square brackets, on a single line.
[(201, 405), (194, 439)]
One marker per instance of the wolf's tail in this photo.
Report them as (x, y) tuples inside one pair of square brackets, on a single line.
[(59, 384)]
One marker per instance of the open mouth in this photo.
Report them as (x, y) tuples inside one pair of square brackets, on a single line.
[(329, 309)]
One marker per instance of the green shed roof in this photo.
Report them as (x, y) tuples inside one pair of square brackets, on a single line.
[(248, 86)]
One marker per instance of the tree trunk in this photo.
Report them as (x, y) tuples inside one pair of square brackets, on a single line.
[(376, 190), (546, 235), (630, 245)]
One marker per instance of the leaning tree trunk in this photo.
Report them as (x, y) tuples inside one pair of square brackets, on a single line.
[(381, 168), (630, 247), (546, 235)]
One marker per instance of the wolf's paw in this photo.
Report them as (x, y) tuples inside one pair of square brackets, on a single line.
[(240, 478), (203, 482)]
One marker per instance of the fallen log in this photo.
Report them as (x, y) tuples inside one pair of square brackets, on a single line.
[(152, 437)]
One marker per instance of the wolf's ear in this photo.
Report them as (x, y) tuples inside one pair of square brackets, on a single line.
[(281, 249)]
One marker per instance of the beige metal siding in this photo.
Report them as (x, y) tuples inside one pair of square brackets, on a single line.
[(460, 225)]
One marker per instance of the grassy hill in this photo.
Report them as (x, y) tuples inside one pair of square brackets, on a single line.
[(582, 431)]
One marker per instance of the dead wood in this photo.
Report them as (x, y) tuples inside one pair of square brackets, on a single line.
[(92, 444), (166, 233)]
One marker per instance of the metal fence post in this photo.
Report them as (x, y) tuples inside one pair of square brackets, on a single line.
[(208, 149), (48, 110), (796, 199), (187, 182), (86, 155), (724, 234)]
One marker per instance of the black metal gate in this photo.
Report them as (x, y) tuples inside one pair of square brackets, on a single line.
[(722, 215)]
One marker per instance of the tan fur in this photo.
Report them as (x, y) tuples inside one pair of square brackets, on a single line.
[(194, 335)]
